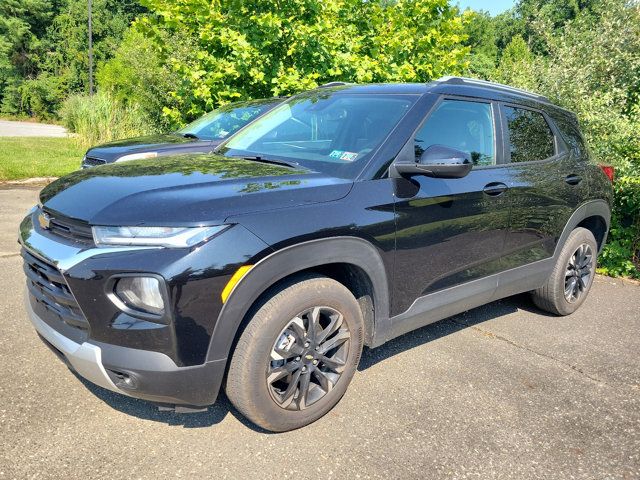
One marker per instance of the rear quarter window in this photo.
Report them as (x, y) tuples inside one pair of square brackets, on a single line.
[(570, 131)]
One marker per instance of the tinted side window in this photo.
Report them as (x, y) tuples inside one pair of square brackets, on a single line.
[(570, 131), (530, 137), (463, 125)]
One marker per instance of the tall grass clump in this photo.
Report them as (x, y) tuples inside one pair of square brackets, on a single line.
[(100, 118)]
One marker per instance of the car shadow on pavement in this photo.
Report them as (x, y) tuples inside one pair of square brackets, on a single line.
[(215, 413), (142, 409), (446, 327)]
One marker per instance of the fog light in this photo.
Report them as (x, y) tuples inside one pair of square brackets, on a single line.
[(141, 293), (122, 379)]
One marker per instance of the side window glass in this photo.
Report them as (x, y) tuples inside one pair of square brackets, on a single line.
[(463, 125), (530, 137), (570, 131)]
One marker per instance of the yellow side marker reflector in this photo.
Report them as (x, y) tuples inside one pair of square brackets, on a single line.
[(241, 272)]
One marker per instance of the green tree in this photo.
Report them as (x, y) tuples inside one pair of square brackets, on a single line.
[(276, 47), (140, 76), (22, 25), (68, 38), (508, 25), (592, 66), (518, 66), (528, 18), (480, 30), (43, 49)]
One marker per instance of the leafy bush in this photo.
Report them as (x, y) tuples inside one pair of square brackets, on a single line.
[(621, 256), (138, 76), (101, 118), (43, 49), (42, 97), (229, 50), (592, 67)]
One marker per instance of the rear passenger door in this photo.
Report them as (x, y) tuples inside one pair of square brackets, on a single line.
[(543, 185)]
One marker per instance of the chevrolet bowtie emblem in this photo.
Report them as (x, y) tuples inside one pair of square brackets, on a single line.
[(44, 220)]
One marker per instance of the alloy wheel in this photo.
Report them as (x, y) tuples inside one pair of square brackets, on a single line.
[(578, 273), (308, 358)]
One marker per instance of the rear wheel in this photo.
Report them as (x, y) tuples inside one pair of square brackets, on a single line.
[(297, 355), (572, 276)]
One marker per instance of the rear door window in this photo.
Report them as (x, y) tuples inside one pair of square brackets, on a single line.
[(530, 137)]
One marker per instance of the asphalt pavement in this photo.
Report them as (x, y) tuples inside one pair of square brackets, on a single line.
[(502, 391), (10, 128)]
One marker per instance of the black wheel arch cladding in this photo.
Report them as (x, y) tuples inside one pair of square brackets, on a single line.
[(291, 260)]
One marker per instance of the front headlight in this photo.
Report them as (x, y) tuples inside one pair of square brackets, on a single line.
[(172, 237), (137, 156)]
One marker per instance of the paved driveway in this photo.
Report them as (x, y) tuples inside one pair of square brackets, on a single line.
[(502, 391), (30, 129)]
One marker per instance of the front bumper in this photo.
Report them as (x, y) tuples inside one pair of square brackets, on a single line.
[(156, 362), (193, 278), (152, 375), (85, 358)]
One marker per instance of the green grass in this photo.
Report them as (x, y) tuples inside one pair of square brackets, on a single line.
[(27, 157)]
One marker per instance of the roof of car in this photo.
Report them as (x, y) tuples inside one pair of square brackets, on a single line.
[(461, 86), (254, 102), (473, 84)]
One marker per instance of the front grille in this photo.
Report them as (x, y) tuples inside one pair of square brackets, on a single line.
[(50, 290), (92, 162), (69, 228)]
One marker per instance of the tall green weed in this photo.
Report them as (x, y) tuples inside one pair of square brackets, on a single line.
[(100, 118)]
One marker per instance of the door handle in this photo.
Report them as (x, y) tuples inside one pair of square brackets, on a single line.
[(573, 179), (495, 188)]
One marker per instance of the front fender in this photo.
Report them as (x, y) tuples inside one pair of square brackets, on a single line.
[(292, 259)]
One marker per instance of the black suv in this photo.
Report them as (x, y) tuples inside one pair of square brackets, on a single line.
[(342, 218)]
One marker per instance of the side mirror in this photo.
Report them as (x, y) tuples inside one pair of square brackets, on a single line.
[(440, 162)]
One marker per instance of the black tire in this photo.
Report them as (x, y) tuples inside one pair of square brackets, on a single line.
[(552, 296), (273, 330)]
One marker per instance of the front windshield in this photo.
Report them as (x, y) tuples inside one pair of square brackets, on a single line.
[(221, 123), (330, 132)]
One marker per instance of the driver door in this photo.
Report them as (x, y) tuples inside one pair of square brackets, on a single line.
[(451, 231)]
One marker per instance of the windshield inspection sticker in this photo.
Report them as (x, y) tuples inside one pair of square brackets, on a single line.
[(342, 155)]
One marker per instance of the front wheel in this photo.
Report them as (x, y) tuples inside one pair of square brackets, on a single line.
[(572, 276), (297, 355)]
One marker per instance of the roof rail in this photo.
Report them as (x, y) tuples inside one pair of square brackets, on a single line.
[(494, 85), (332, 84)]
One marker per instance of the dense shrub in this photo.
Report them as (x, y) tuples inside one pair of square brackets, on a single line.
[(43, 49), (621, 256), (239, 50), (139, 76), (592, 67), (101, 118)]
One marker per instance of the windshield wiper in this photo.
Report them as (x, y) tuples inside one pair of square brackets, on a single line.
[(191, 135), (257, 158)]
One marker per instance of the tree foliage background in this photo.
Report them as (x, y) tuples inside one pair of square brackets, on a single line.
[(219, 51), (585, 56), (161, 63)]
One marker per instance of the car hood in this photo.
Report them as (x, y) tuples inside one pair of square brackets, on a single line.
[(151, 143), (185, 190)]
